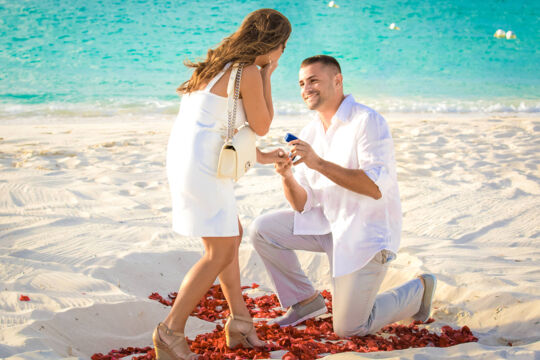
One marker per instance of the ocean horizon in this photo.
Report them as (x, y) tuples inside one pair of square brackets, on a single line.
[(109, 58)]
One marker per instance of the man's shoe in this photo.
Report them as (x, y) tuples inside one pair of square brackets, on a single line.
[(430, 283), (298, 313)]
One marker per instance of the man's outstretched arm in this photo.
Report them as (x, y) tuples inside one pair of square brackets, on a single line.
[(351, 179), (294, 192)]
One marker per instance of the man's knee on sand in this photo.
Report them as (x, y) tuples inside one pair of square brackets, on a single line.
[(342, 329)]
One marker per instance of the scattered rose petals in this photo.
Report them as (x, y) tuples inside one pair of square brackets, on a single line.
[(312, 341), (213, 305), (148, 352), (24, 298)]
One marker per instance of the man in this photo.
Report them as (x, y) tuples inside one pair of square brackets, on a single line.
[(345, 201)]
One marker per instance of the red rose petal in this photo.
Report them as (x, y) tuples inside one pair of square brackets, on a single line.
[(24, 298)]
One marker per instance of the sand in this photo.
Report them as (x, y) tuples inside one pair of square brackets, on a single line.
[(85, 231)]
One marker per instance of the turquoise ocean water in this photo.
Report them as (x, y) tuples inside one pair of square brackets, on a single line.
[(103, 57)]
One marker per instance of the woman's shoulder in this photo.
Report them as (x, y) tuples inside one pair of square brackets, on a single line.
[(250, 68), (251, 77), (250, 71)]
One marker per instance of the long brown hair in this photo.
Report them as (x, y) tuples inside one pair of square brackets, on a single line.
[(261, 32)]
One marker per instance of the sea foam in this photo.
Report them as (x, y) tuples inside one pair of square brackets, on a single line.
[(166, 110)]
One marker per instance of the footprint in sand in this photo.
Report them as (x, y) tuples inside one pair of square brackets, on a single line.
[(456, 220), (506, 134), (142, 207), (69, 162), (103, 180), (127, 192), (152, 185), (16, 201), (81, 195)]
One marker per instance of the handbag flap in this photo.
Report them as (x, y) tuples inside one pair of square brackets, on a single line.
[(227, 163)]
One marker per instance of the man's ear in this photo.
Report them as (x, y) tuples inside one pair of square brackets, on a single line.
[(338, 80)]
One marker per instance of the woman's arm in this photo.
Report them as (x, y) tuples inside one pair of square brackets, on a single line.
[(266, 73), (270, 157), (256, 93)]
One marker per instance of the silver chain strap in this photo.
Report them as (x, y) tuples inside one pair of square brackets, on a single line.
[(231, 121)]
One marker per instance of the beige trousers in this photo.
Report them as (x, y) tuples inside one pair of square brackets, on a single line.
[(358, 309)]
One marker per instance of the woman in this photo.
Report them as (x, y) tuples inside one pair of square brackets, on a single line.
[(204, 205)]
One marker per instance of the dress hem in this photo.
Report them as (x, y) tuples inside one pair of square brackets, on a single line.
[(205, 235)]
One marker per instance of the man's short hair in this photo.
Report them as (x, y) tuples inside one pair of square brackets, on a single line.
[(323, 59)]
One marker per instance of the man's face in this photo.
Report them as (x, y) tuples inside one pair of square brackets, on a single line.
[(317, 84)]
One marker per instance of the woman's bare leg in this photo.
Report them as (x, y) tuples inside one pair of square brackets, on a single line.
[(229, 279), (242, 325), (219, 253)]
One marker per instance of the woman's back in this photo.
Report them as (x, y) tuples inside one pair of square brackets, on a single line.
[(202, 203)]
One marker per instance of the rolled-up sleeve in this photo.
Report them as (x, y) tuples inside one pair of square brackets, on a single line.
[(300, 176), (375, 151)]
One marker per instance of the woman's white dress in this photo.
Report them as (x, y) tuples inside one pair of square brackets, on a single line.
[(202, 204)]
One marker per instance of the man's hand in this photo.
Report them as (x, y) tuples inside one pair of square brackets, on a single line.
[(351, 179), (307, 154)]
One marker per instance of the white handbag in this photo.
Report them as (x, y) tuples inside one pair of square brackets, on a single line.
[(238, 153)]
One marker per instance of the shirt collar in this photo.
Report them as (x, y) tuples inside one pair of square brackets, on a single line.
[(343, 113)]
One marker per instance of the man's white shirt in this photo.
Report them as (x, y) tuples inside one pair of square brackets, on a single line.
[(358, 138)]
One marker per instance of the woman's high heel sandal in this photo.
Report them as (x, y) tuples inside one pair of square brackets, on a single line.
[(240, 330), (177, 349)]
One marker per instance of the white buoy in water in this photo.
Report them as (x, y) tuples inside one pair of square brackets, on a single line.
[(393, 26), (510, 35), (332, 4), (499, 34)]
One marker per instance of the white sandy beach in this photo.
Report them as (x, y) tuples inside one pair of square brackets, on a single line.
[(85, 232)]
